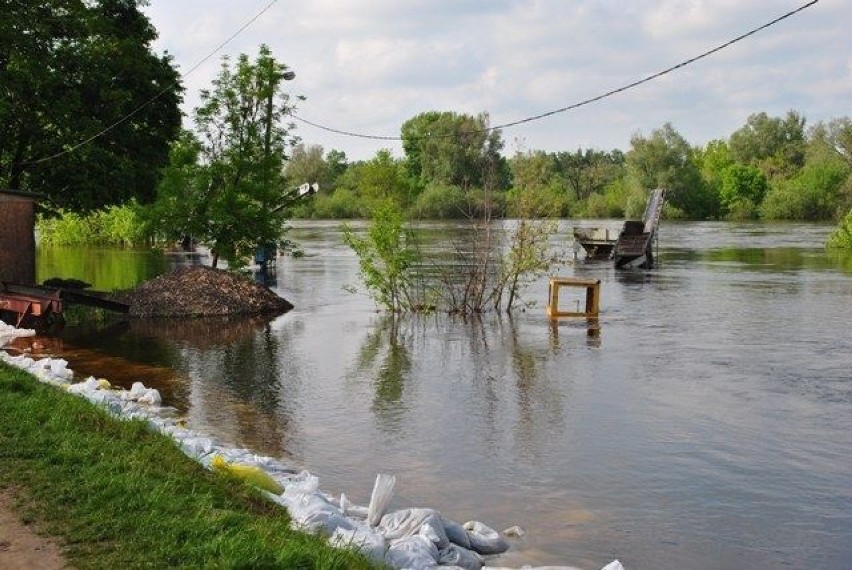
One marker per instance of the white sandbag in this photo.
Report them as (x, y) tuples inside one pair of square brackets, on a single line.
[(455, 555), (380, 499), (8, 333), (410, 522), (301, 483), (364, 539), (196, 446), (484, 539), (514, 532), (350, 509), (151, 397), (137, 390), (311, 512), (456, 533), (412, 552), (614, 565), (89, 385)]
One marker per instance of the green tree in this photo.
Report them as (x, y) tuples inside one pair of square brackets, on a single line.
[(590, 171), (742, 190), (74, 70), (775, 145), (452, 148), (385, 258), (665, 160), (307, 165), (234, 194)]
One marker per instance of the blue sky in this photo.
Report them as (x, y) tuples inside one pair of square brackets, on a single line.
[(367, 66)]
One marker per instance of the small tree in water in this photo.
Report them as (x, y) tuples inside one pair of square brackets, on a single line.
[(385, 258)]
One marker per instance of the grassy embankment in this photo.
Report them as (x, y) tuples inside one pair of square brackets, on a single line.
[(120, 496)]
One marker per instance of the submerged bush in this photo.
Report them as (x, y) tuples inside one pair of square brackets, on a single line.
[(841, 238)]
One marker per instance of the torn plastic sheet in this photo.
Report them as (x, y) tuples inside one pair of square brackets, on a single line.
[(409, 538)]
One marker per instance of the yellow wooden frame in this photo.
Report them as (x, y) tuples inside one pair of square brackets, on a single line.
[(593, 296)]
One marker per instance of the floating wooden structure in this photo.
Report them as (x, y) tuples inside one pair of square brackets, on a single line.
[(635, 245), (593, 296), (597, 242)]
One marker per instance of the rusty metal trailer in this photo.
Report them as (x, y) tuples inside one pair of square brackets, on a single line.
[(45, 304)]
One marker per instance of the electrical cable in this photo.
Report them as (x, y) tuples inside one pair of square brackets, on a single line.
[(158, 95), (578, 104)]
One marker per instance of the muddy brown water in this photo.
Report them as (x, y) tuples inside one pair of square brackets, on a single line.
[(705, 424)]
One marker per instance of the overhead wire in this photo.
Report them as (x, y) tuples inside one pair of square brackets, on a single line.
[(162, 92), (578, 104)]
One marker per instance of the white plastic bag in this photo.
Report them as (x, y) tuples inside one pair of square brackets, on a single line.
[(455, 555), (413, 552), (380, 499), (484, 539), (410, 522), (370, 543)]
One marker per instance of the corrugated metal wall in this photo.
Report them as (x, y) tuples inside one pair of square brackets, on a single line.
[(17, 239)]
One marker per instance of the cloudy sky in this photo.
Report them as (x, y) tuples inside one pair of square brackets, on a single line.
[(367, 66)]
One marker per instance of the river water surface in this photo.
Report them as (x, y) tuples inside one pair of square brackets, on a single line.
[(706, 423)]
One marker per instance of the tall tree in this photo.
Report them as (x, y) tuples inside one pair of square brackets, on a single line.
[(237, 188), (775, 145), (452, 148), (665, 160), (74, 70), (590, 171)]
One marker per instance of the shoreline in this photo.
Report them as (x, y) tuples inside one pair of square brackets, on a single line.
[(414, 538)]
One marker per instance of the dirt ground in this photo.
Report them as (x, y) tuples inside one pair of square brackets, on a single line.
[(21, 548)]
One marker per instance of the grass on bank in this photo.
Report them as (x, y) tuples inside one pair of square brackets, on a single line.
[(120, 496)]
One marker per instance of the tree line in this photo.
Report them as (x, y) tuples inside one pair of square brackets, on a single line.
[(771, 168)]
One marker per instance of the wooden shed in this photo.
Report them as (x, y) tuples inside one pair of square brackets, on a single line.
[(17, 236)]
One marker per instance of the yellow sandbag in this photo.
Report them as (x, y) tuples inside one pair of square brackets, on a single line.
[(104, 384), (252, 475)]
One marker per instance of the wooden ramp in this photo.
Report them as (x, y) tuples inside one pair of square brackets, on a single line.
[(634, 247)]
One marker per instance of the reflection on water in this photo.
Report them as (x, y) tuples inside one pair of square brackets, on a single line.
[(105, 269), (701, 422)]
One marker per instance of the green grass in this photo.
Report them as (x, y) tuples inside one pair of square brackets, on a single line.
[(120, 496)]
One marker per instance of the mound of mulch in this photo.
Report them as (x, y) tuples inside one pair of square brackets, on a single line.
[(201, 291)]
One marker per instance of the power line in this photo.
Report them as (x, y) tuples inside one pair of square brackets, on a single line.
[(158, 95), (584, 102)]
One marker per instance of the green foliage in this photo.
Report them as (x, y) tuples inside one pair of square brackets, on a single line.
[(226, 188), (741, 190), (71, 69), (120, 496), (343, 203), (589, 172), (539, 201), (528, 258), (441, 201), (307, 165), (810, 195), (776, 145), (455, 149), (841, 238), (385, 258), (124, 226), (665, 160)]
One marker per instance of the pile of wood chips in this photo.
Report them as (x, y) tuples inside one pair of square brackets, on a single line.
[(202, 291)]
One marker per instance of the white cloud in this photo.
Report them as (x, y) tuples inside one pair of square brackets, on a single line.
[(370, 65)]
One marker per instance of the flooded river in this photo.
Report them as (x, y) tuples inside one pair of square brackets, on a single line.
[(706, 424)]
